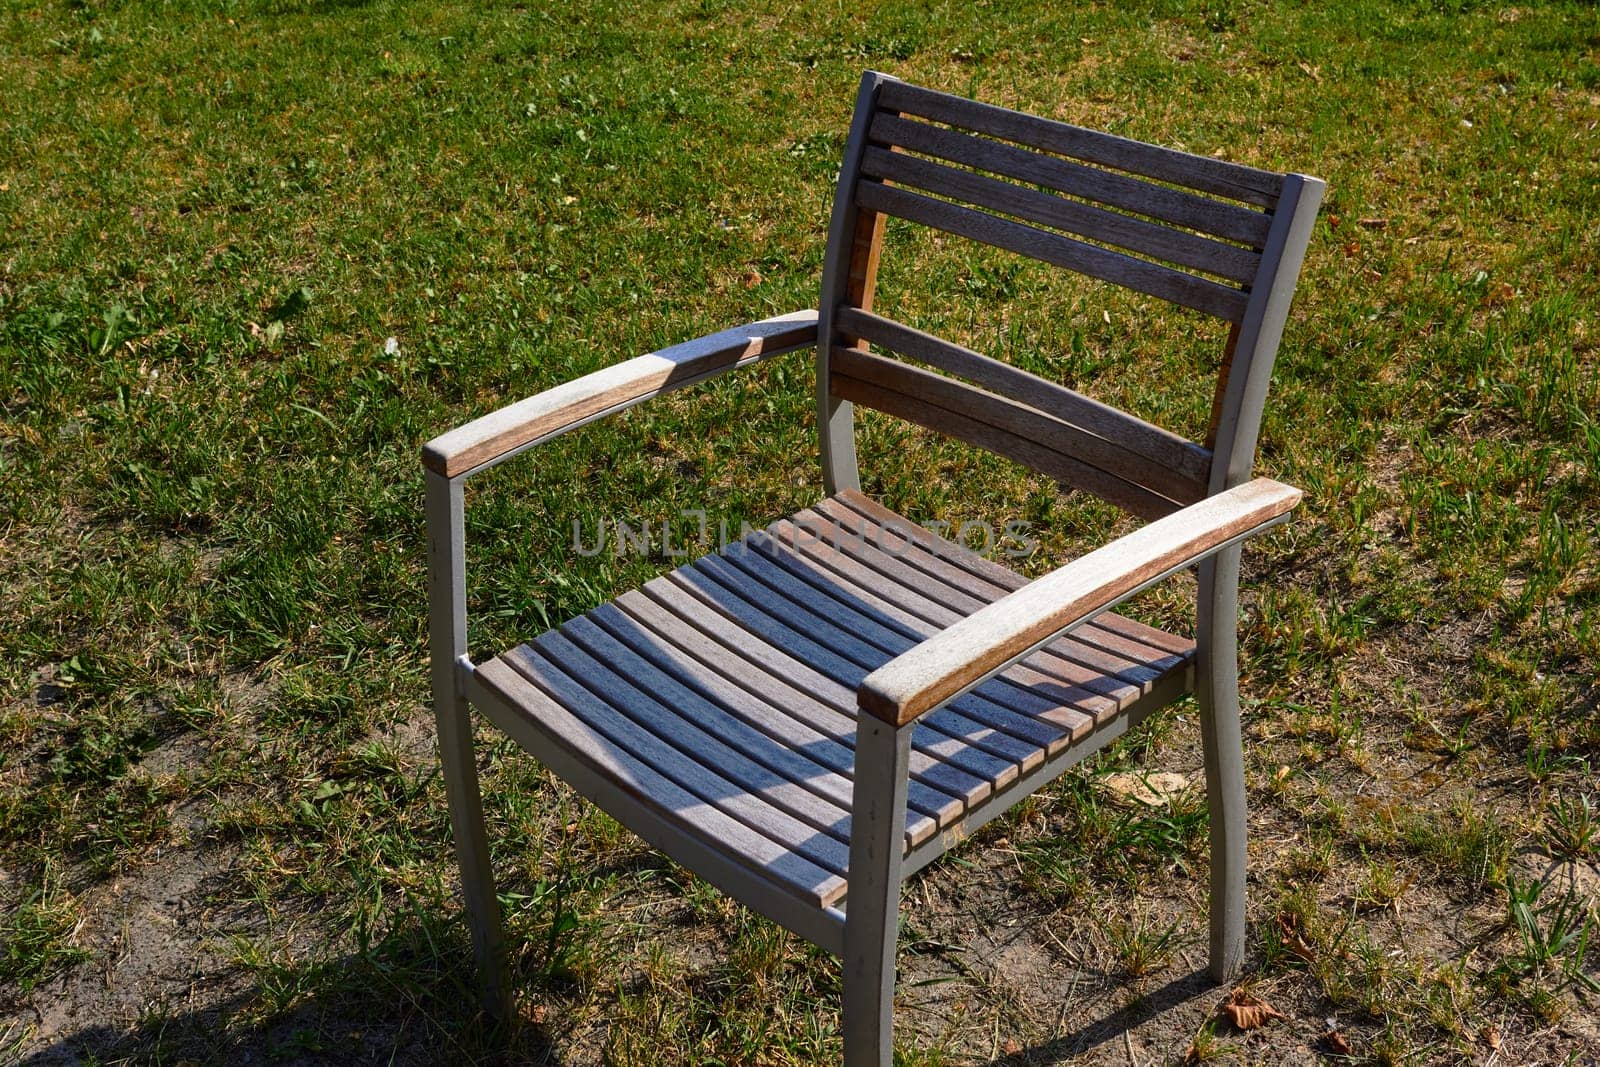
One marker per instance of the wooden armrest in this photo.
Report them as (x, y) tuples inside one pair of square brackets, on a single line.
[(503, 433), (954, 660)]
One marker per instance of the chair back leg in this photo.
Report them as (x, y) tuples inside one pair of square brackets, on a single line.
[(1217, 691), (447, 640), (872, 910)]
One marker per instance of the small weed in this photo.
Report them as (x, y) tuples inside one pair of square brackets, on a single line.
[(1572, 828), (37, 933), (1553, 936), (1142, 945), (1206, 1046)]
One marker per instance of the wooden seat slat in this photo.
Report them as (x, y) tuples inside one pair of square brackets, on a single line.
[(662, 639), (732, 680), (1084, 689), (783, 739), (973, 719), (1123, 681), (574, 676), (799, 680), (563, 718), (1017, 711), (776, 621), (1004, 580), (708, 731)]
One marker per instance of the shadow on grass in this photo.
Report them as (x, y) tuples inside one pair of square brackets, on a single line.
[(409, 1000), (1067, 1047)]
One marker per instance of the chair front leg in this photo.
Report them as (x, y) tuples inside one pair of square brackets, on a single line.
[(447, 639), (1217, 691), (872, 909)]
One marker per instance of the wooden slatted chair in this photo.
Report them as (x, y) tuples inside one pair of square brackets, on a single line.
[(809, 716)]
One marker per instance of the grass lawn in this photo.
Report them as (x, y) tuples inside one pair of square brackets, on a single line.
[(223, 834)]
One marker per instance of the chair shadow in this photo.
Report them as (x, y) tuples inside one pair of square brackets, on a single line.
[(1174, 994), (356, 1020)]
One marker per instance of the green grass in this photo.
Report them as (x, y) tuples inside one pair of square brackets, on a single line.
[(212, 651)]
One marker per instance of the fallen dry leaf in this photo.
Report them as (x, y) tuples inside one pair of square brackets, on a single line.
[(1337, 1044), (1248, 1011), (1289, 929), (1010, 1046)]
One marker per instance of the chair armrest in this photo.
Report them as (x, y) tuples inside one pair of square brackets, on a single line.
[(968, 652), (501, 434)]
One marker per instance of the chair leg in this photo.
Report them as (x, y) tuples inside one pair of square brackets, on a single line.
[(1217, 690), (447, 640), (872, 910), (472, 854)]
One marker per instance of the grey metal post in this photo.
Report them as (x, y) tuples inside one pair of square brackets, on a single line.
[(1217, 608), (447, 640), (872, 909), (836, 428), (1222, 742)]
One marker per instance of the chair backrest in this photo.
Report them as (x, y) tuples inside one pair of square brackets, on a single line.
[(1223, 239)]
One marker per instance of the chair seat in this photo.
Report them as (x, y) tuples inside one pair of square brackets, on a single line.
[(722, 695)]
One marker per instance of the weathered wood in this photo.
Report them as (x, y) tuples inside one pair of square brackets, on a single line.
[(444, 507), (1009, 705), (930, 574), (554, 411), (1093, 223), (1099, 466), (967, 722), (915, 406), (872, 922), (585, 694), (1149, 447), (1021, 737), (1210, 175), (1141, 275), (797, 709), (664, 640), (970, 571), (1222, 752), (664, 797), (806, 554), (701, 729), (849, 275), (951, 736), (1255, 348), (968, 651), (1176, 206), (944, 604), (1000, 578), (1067, 682), (1109, 631), (814, 697)]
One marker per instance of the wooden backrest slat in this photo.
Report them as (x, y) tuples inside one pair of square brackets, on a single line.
[(1215, 217), (1110, 227), (1164, 164), (1126, 445), (921, 397), (1201, 294), (1203, 233)]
